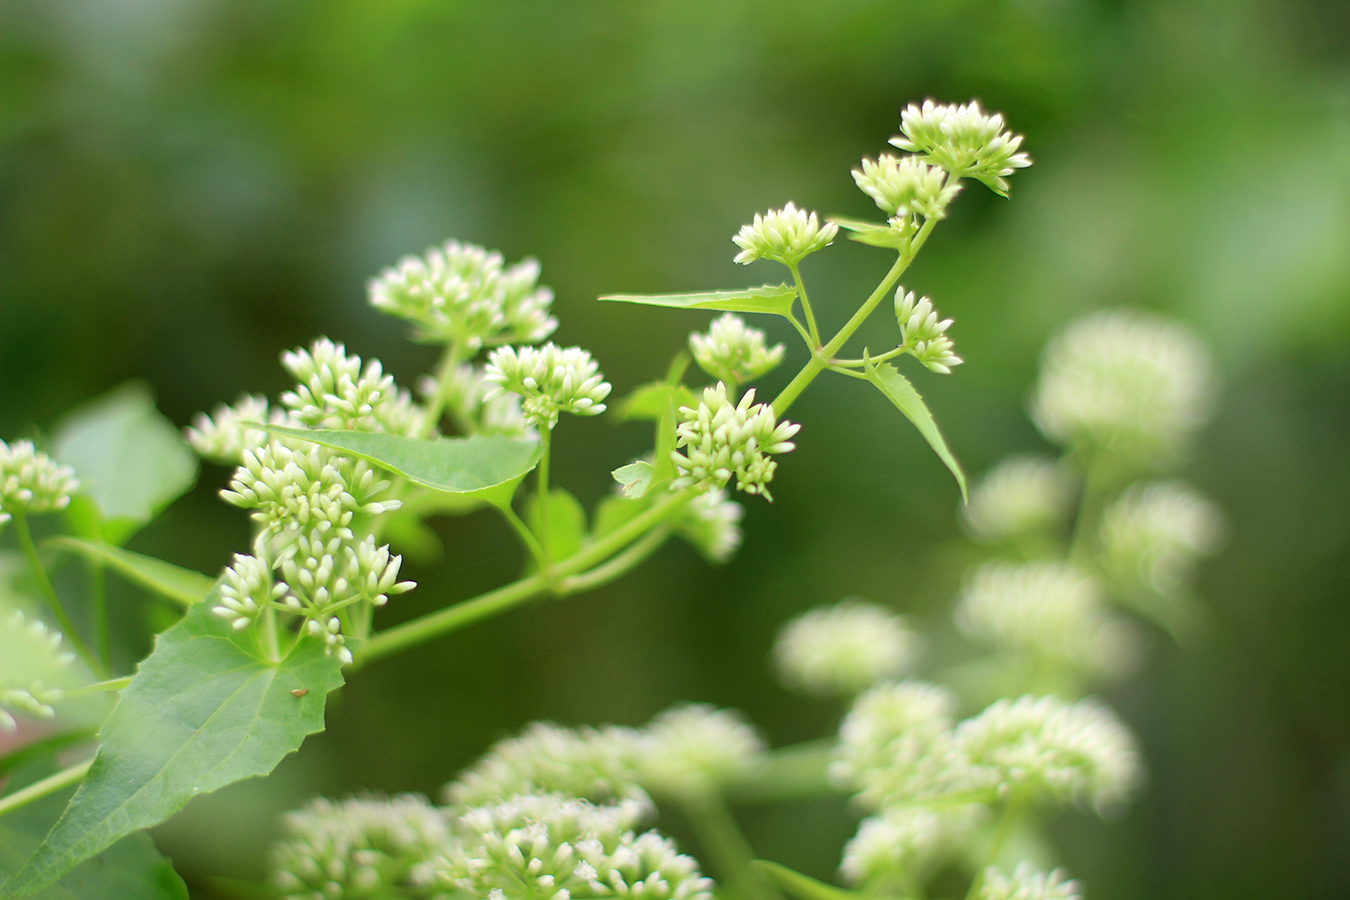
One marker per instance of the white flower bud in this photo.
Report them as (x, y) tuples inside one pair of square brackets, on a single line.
[(963, 140), (712, 525), (894, 744), (733, 352), (904, 186), (904, 844), (722, 439), (223, 438), (922, 334), (785, 235), (31, 481), (35, 670), (549, 379), (842, 649), (1026, 883)]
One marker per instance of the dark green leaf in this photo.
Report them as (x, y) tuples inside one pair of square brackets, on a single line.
[(566, 522), (803, 886), (900, 392), (130, 460), (873, 234), (484, 468), (178, 584), (771, 298), (130, 868), (636, 478), (202, 712)]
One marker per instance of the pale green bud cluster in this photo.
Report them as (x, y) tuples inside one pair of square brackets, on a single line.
[(725, 439), (1047, 611), (33, 666), (712, 525), (1021, 495), (364, 847), (964, 140), (463, 294), (334, 391), (784, 235), (1026, 883), (549, 380), (894, 743), (691, 747), (223, 436), (1153, 534), (596, 764), (922, 334), (733, 352), (904, 845), (551, 847), (843, 649), (31, 481), (1124, 382), (905, 186)]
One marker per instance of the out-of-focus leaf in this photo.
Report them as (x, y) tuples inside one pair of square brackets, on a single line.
[(873, 234), (566, 522), (900, 392), (174, 582), (636, 478), (651, 401), (485, 468), (130, 460), (130, 868), (614, 510), (202, 712), (771, 298)]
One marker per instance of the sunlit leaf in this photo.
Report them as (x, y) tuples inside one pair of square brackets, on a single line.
[(900, 392), (771, 298), (484, 468), (566, 522), (636, 478), (174, 582), (202, 712), (130, 460)]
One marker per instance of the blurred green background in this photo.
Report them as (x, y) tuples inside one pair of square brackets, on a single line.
[(187, 187)]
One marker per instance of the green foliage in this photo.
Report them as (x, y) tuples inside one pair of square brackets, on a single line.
[(566, 519), (899, 391), (183, 586), (771, 298)]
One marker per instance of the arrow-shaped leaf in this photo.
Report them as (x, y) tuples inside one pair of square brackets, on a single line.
[(899, 391), (770, 298), (201, 712), (484, 468), (174, 582)]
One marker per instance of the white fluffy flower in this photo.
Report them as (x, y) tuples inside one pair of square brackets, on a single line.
[(31, 481), (732, 351), (904, 186), (1154, 533), (895, 743), (904, 844), (1021, 495), (964, 140), (549, 380), (842, 649), (692, 746), (785, 235), (923, 335), (1026, 883), (223, 437), (712, 525), (724, 439), (35, 669)]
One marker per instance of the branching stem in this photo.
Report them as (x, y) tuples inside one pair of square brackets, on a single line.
[(44, 586)]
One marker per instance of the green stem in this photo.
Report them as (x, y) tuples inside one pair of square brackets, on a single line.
[(49, 594), (526, 536), (785, 774), (450, 360), (806, 306), (1089, 510), (99, 600), (39, 789), (508, 596), (619, 565), (113, 684), (1010, 811), (726, 846), (541, 486), (859, 363)]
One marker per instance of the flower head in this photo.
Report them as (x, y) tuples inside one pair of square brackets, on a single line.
[(712, 525), (903, 844), (1021, 495), (784, 235), (842, 649), (963, 140), (922, 334), (31, 481), (692, 746), (905, 186), (733, 352), (725, 439), (894, 744), (1154, 533), (549, 379), (1026, 883), (35, 669)]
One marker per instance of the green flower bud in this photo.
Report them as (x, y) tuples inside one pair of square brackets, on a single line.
[(921, 333), (785, 235), (549, 380), (31, 481), (723, 439), (733, 352), (962, 140), (904, 186)]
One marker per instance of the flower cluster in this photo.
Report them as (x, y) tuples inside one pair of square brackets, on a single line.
[(922, 334), (1124, 382), (1046, 610), (1026, 883), (964, 140), (723, 439), (33, 668), (31, 481), (691, 747), (466, 395), (905, 186), (894, 742), (785, 235), (462, 294), (362, 847), (842, 649), (1021, 495), (733, 352), (224, 435), (1154, 533), (712, 525), (549, 380), (903, 845)]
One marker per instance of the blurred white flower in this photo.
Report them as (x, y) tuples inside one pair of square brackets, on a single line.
[(842, 649)]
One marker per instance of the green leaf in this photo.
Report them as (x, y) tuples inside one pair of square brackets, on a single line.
[(900, 392), (130, 868), (636, 478), (483, 468), (566, 522), (614, 510), (650, 402), (803, 886), (130, 460), (174, 582), (771, 298), (202, 712), (873, 234)]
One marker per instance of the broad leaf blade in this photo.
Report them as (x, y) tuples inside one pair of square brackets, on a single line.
[(201, 713), (130, 460), (770, 298), (899, 391), (483, 468), (174, 582), (566, 522), (132, 867)]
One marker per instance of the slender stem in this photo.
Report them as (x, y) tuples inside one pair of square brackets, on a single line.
[(526, 536), (806, 306), (49, 594), (99, 600), (114, 684), (271, 647), (541, 485), (508, 596), (786, 773), (618, 565), (39, 789), (1089, 509), (859, 363), (725, 844), (811, 343), (450, 360), (849, 372), (1010, 811)]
